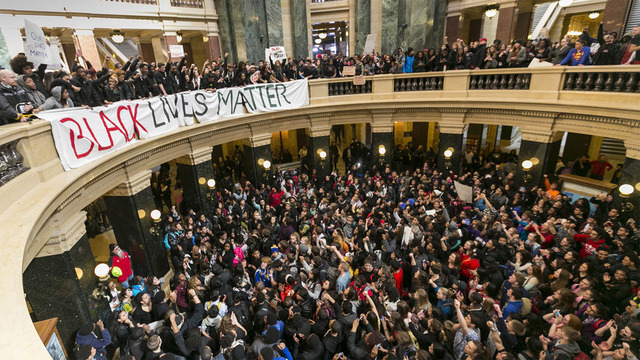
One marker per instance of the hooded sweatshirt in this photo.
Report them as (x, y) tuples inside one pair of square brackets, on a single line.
[(564, 352), (54, 101), (35, 96)]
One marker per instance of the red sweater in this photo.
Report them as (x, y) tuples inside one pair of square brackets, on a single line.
[(124, 265), (590, 246)]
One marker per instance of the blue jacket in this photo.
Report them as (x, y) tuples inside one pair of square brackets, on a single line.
[(96, 343), (513, 307), (286, 353), (408, 64)]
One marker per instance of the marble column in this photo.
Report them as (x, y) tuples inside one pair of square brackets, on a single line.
[(389, 26), (258, 147), (319, 139), (381, 136), (287, 32), (630, 175), (255, 28), (299, 28), (451, 127), (129, 206), (506, 24), (237, 25), (363, 23), (194, 170), (543, 148), (59, 281), (225, 25), (212, 48), (274, 21), (614, 15)]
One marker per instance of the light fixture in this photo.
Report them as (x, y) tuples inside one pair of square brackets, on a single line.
[(565, 3), (625, 192), (318, 41), (155, 215), (322, 35), (179, 36), (526, 166), (79, 273), (574, 33), (211, 183), (101, 271), (266, 164), (205, 38), (382, 150), (594, 14), (447, 156), (211, 194), (491, 11), (117, 36), (323, 154)]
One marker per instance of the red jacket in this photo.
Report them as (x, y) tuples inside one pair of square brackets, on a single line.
[(124, 264)]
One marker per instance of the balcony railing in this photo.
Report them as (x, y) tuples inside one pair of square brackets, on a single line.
[(500, 82), (348, 88), (141, 2), (187, 3), (419, 82)]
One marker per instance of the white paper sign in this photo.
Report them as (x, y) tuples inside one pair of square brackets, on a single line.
[(177, 51), (84, 135), (267, 54), (465, 192), (369, 43), (278, 53), (36, 47)]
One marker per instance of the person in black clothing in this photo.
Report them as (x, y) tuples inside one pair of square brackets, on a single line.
[(161, 79), (14, 103), (21, 66), (145, 84), (479, 54), (609, 51), (87, 95)]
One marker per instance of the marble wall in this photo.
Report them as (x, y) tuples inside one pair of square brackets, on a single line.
[(274, 19), (412, 23), (363, 23), (299, 28), (5, 56), (226, 30)]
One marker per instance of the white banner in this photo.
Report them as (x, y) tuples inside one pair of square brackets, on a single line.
[(369, 43), (176, 51), (83, 135), (465, 192)]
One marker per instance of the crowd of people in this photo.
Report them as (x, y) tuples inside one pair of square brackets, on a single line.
[(382, 264), (25, 91)]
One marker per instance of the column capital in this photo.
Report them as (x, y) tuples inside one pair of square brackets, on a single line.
[(317, 131), (133, 184), (196, 157), (541, 135), (452, 121), (260, 140), (633, 149), (63, 233)]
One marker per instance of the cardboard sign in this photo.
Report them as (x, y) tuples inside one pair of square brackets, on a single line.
[(36, 47), (359, 80), (255, 77), (369, 43), (349, 71), (176, 51), (465, 192)]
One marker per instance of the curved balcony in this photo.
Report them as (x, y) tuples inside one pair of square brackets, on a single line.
[(539, 102)]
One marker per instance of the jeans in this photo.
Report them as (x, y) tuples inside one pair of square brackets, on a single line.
[(125, 284)]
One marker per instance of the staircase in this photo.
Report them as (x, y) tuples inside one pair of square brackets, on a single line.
[(613, 147)]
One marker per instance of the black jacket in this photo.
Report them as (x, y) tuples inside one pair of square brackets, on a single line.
[(87, 94), (479, 54), (10, 97)]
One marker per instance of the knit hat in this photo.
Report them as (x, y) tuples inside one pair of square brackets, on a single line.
[(112, 246), (86, 329), (274, 248)]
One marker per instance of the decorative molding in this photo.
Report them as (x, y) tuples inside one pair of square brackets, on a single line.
[(196, 157), (65, 233), (134, 184), (260, 140)]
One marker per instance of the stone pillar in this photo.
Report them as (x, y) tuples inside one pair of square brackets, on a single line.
[(212, 48), (287, 32), (524, 24), (87, 44), (381, 136), (159, 53), (451, 137), (452, 29), (506, 24), (614, 14), (630, 175), (300, 28), (258, 147), (59, 281), (129, 206), (319, 140), (194, 170), (544, 148)]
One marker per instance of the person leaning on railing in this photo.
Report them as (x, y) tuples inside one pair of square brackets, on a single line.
[(14, 103)]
